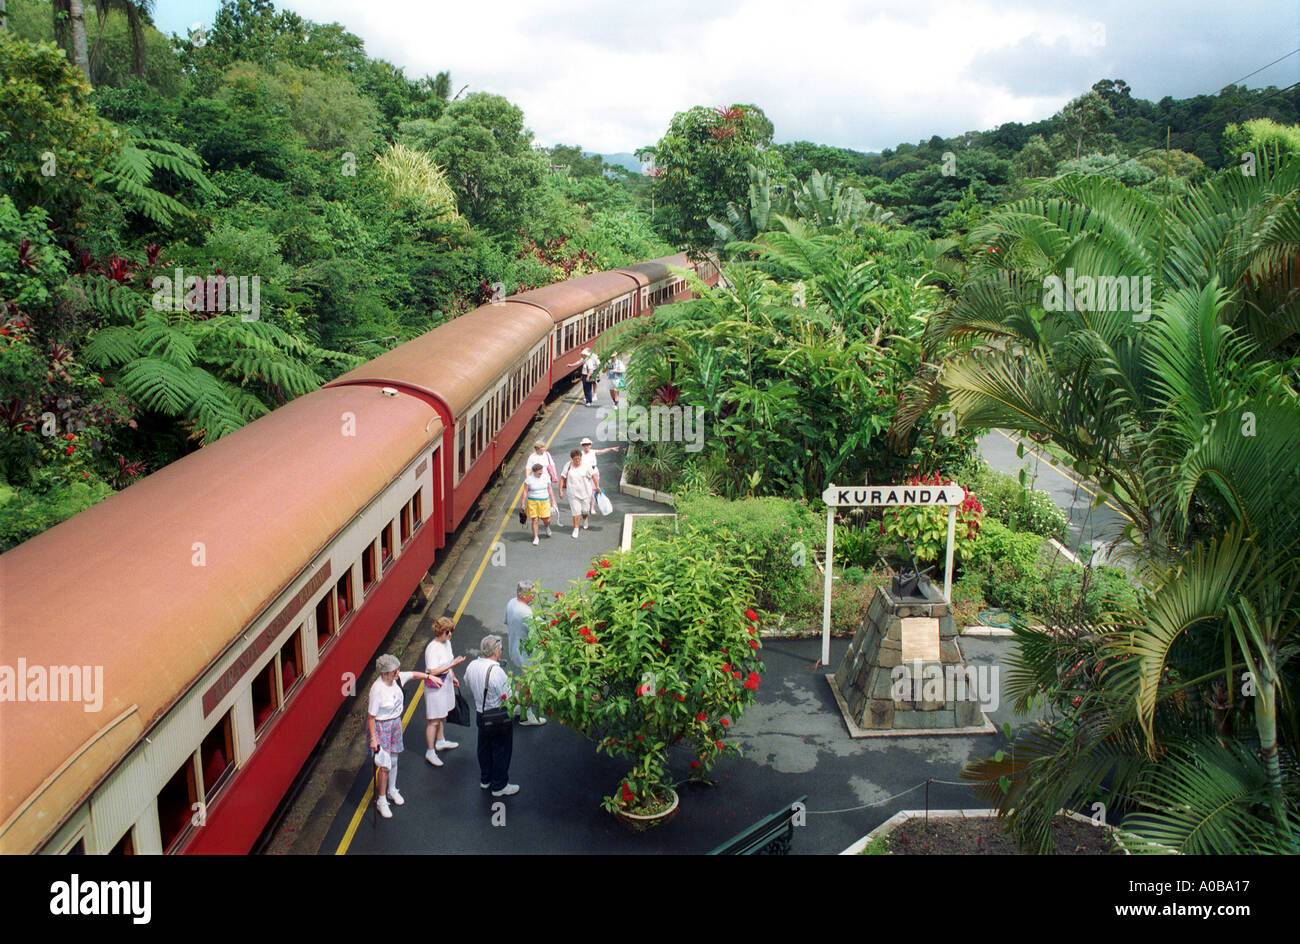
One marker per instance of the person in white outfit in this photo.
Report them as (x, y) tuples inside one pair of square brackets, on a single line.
[(581, 481), (384, 723), (490, 688), (589, 458), (439, 699)]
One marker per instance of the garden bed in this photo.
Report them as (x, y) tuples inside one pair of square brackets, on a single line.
[(978, 832)]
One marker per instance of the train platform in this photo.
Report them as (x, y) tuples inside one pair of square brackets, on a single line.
[(793, 739)]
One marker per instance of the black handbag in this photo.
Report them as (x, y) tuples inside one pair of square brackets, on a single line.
[(459, 713), (493, 720)]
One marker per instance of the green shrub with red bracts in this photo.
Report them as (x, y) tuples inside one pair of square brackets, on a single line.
[(659, 646)]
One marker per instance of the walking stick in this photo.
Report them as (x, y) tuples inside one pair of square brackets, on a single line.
[(374, 812)]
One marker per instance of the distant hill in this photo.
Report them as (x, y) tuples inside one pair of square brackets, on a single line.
[(623, 159)]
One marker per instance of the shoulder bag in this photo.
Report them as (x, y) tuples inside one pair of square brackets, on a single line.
[(493, 720)]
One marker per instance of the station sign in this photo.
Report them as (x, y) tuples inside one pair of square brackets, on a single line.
[(894, 495)]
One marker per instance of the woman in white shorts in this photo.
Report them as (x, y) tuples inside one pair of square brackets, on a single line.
[(581, 481), (439, 662)]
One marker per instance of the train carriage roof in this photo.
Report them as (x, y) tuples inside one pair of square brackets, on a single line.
[(564, 299), (486, 342), (118, 585), (656, 270)]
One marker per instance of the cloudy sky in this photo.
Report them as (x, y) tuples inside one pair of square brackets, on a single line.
[(609, 75)]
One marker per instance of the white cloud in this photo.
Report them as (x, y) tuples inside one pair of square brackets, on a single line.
[(609, 76)]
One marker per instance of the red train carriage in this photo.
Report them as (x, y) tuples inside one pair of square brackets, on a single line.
[(230, 600), (225, 599)]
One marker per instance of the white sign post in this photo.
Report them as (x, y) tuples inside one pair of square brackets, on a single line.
[(892, 496)]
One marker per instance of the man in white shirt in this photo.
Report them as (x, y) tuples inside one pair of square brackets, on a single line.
[(590, 371), (489, 687)]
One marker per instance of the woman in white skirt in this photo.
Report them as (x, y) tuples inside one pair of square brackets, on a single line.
[(384, 723), (439, 700)]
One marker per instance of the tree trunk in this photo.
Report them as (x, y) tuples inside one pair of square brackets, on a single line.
[(1266, 725), (77, 27)]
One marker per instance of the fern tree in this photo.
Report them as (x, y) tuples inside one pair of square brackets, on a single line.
[(132, 172), (214, 374)]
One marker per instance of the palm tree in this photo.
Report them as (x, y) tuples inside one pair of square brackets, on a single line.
[(1181, 408), (70, 31)]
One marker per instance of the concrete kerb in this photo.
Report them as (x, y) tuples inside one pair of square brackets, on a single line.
[(902, 816), (640, 491)]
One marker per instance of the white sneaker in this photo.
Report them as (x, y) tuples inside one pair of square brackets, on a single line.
[(396, 797), (484, 786), (433, 758), (548, 530), (509, 789), (533, 719), (447, 745), (575, 534), (585, 525), (382, 805), (536, 542)]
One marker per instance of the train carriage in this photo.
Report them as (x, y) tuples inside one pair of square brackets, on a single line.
[(225, 601), (231, 600)]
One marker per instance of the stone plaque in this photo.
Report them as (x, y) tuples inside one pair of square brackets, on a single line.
[(920, 639)]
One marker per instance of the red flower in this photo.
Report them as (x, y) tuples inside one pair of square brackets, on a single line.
[(553, 622), (695, 763), (643, 690), (558, 594), (591, 573), (751, 684), (726, 723), (700, 717), (69, 437), (752, 615), (735, 675), (605, 563), (753, 643), (648, 603), (679, 697), (752, 630), (719, 743), (726, 666), (725, 652), (70, 450), (1078, 699), (640, 737)]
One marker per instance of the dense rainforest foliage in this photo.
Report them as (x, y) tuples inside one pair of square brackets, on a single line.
[(347, 207)]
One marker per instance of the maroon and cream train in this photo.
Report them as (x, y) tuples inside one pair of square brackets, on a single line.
[(200, 628)]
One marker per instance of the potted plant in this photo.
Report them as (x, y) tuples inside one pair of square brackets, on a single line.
[(658, 647)]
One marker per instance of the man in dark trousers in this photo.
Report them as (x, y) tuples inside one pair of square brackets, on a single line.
[(489, 687)]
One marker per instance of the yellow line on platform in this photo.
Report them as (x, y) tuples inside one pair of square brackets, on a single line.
[(1055, 468), (363, 806)]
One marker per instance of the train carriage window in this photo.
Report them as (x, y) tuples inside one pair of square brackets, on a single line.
[(177, 803), (290, 663), (368, 570), (343, 590), (386, 544), (406, 524), (217, 757), (125, 845), (417, 509), (325, 620), (266, 697)]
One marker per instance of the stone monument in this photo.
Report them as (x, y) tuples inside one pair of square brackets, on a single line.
[(904, 673)]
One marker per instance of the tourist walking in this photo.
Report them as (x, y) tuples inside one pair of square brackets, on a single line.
[(590, 370), (581, 481), (616, 370), (519, 611), (589, 458), (539, 497), (489, 686), (384, 724), (439, 699), (541, 455)]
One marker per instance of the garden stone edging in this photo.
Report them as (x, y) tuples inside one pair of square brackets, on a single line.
[(902, 816), (640, 491)]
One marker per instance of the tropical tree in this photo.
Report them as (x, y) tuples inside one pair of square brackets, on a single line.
[(1172, 396)]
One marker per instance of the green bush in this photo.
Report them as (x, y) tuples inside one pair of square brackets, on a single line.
[(1022, 509), (784, 533), (859, 547), (25, 513), (998, 546)]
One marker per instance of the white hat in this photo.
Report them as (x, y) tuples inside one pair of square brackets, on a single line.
[(586, 350), (585, 441)]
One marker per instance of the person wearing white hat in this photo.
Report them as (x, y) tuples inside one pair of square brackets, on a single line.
[(590, 370), (589, 458), (580, 480)]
